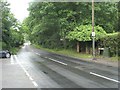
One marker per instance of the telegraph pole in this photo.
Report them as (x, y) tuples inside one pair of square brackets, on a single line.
[(93, 33)]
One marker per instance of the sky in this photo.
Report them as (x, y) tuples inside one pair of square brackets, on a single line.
[(19, 8)]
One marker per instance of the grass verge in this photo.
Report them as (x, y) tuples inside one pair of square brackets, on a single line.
[(73, 53)]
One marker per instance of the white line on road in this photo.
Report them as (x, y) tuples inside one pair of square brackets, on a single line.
[(37, 53), (12, 62), (45, 57), (31, 78), (57, 61), (35, 84), (104, 77)]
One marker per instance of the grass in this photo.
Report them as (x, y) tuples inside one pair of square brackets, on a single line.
[(109, 58), (73, 53), (66, 52)]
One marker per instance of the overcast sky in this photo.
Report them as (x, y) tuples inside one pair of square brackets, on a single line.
[(19, 8)]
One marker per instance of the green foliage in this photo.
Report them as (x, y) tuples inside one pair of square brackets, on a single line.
[(119, 45), (2, 45), (83, 33), (111, 41), (11, 34), (48, 22), (43, 25), (16, 38), (106, 16)]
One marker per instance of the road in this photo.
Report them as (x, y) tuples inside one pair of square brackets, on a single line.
[(49, 70)]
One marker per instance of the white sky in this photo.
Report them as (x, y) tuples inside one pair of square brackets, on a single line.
[(19, 8)]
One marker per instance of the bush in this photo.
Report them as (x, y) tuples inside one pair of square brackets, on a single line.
[(110, 41), (119, 45), (4, 46)]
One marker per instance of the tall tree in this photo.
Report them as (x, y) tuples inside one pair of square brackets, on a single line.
[(10, 26), (49, 22)]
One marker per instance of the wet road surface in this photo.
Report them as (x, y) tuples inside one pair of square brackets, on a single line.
[(48, 70)]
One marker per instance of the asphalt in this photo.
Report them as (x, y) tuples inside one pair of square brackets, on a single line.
[(49, 70), (13, 76)]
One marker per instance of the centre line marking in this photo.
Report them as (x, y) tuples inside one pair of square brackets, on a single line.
[(104, 77), (57, 61)]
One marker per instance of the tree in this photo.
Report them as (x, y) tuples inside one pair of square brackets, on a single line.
[(83, 33), (10, 27), (48, 22)]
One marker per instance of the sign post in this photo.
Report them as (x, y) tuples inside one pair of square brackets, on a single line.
[(93, 33)]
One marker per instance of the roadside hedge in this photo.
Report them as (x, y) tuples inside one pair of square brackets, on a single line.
[(111, 41)]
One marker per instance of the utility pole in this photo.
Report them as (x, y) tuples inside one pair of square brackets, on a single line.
[(93, 33)]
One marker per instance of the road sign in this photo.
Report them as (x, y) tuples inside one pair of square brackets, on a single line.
[(93, 34)]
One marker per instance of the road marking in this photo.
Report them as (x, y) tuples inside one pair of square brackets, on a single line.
[(45, 57), (104, 77), (12, 61), (27, 73), (37, 53), (31, 78), (22, 67), (34, 83), (57, 61)]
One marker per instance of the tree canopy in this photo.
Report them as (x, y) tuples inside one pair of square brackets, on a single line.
[(11, 34), (49, 22), (83, 33)]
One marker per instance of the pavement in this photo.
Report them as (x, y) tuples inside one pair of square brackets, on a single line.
[(13, 76)]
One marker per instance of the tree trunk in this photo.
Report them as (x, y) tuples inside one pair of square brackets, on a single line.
[(64, 43), (86, 44), (78, 48)]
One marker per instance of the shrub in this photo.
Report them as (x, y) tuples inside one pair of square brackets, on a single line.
[(110, 41)]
